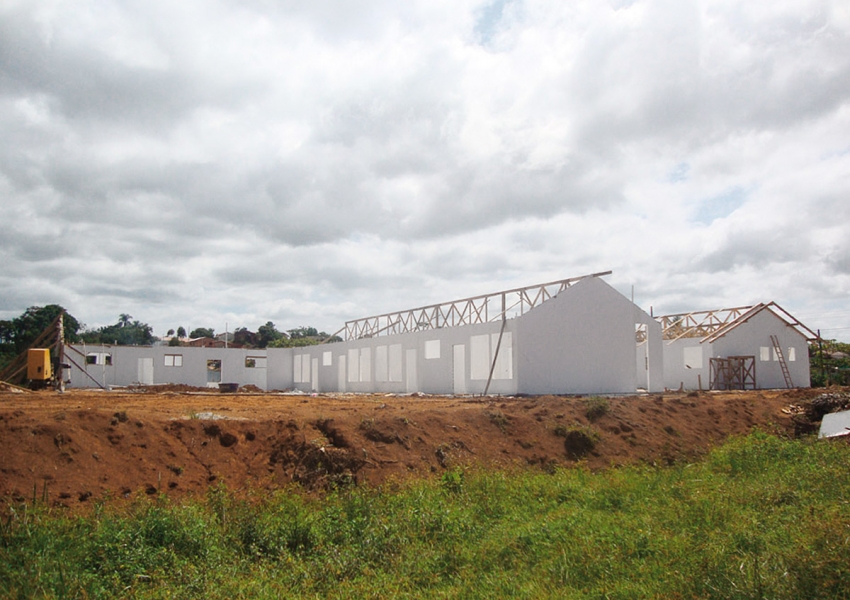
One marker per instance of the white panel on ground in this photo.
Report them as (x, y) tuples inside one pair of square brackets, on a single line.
[(411, 384), (296, 368), (479, 357), (693, 357), (340, 376), (505, 359), (314, 375), (459, 368), (835, 424), (354, 365), (365, 364), (146, 371), (395, 362), (381, 364)]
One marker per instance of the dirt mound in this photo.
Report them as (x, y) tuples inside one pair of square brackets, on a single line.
[(8, 387), (75, 448)]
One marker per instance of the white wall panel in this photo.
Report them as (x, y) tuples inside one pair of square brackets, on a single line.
[(354, 365), (365, 364), (479, 357), (395, 371), (381, 364)]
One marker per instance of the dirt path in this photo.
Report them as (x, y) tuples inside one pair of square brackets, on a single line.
[(82, 446)]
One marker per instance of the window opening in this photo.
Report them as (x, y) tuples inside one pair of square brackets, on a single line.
[(214, 371), (255, 362)]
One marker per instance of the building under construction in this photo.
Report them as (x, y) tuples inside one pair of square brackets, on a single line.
[(572, 336), (748, 347)]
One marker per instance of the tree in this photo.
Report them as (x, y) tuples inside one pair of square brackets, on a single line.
[(267, 334), (303, 332), (829, 362), (19, 334), (200, 332), (181, 332), (246, 338), (27, 327), (303, 336), (123, 333), (170, 333)]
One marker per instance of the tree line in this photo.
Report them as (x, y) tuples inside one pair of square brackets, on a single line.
[(18, 334)]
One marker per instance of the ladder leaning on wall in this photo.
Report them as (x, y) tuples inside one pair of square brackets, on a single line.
[(785, 373)]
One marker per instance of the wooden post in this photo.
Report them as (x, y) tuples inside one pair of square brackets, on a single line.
[(60, 353)]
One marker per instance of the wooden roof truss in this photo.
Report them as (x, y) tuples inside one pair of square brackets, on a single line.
[(467, 311), (710, 325)]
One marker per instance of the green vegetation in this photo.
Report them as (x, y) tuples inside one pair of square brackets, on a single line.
[(16, 335), (303, 336), (578, 439), (761, 517), (595, 407), (830, 363), (200, 332), (125, 332)]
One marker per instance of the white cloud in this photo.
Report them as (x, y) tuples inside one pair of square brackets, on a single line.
[(201, 163)]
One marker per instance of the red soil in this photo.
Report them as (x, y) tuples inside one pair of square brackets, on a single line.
[(75, 448)]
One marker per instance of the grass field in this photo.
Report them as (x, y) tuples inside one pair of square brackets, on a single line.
[(760, 517)]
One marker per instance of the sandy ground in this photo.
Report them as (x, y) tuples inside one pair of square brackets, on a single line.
[(74, 449)]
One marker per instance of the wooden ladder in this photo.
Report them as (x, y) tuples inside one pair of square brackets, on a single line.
[(785, 373)]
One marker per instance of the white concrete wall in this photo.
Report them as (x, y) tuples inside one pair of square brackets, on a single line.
[(383, 364), (649, 356), (580, 342), (686, 364), (192, 370)]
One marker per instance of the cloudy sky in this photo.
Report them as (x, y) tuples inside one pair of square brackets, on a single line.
[(203, 163)]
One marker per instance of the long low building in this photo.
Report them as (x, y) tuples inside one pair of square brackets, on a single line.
[(572, 336)]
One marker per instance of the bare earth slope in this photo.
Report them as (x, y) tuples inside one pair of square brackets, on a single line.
[(75, 448)]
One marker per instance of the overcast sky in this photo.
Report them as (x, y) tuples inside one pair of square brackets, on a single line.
[(202, 163)]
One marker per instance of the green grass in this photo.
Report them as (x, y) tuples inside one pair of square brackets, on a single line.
[(761, 517)]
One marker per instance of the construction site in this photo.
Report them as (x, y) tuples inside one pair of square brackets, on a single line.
[(563, 373), (572, 336)]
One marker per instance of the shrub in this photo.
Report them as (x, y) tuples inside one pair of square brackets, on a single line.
[(578, 439), (595, 407)]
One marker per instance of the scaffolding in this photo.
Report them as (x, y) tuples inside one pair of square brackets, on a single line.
[(733, 373), (487, 308)]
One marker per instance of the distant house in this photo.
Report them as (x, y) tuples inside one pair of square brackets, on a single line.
[(205, 342), (227, 336), (749, 347)]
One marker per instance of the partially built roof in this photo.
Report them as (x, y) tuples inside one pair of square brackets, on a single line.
[(713, 324), (467, 311)]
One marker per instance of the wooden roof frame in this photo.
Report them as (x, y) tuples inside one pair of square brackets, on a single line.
[(467, 311), (710, 325)]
